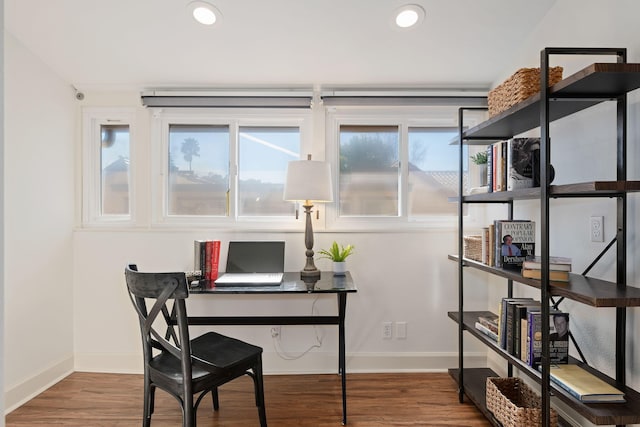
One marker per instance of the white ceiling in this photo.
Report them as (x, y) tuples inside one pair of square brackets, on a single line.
[(138, 44)]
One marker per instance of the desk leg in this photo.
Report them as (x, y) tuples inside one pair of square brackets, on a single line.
[(342, 309)]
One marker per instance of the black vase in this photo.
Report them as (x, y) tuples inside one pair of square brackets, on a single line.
[(535, 159)]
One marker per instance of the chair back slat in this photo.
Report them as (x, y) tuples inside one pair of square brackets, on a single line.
[(164, 289)]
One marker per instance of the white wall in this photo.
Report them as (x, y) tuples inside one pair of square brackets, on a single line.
[(39, 163), (400, 276)]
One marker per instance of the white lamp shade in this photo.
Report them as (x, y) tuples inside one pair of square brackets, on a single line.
[(308, 180)]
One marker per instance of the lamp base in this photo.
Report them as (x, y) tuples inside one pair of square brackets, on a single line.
[(310, 274)]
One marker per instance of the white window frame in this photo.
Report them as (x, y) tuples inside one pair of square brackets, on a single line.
[(92, 120), (404, 118), (235, 119)]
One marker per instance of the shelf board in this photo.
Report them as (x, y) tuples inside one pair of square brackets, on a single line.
[(582, 189), (597, 413), (587, 290), (590, 86), (475, 388)]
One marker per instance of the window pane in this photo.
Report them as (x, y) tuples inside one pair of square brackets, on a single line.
[(264, 153), (369, 171), (433, 171), (198, 170), (114, 165)]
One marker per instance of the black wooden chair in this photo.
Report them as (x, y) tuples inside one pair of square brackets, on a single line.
[(185, 367)]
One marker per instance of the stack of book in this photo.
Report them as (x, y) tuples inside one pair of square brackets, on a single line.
[(520, 331), (511, 164), (559, 268), (488, 325), (207, 258), (584, 386)]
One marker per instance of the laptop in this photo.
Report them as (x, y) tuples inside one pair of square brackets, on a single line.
[(253, 263)]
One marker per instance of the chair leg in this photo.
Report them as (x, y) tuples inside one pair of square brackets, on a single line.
[(188, 412), (148, 405), (259, 391), (216, 400)]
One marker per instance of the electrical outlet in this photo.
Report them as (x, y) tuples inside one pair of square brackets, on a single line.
[(596, 228), (401, 330), (387, 330), (276, 332)]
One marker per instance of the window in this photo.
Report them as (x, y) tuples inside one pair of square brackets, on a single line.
[(107, 189), (369, 170), (433, 171), (198, 170), (264, 153), (225, 166), (395, 165)]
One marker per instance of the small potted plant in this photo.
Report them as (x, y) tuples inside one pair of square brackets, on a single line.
[(480, 159), (337, 254)]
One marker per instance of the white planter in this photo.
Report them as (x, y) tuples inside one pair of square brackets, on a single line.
[(483, 174), (339, 268)]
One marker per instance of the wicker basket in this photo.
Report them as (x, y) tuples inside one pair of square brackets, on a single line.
[(514, 404), (472, 247), (520, 86)]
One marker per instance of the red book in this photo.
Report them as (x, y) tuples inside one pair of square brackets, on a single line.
[(215, 259), (208, 251)]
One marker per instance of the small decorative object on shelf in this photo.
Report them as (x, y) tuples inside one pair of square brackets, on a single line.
[(480, 159), (473, 247), (337, 254), (521, 85)]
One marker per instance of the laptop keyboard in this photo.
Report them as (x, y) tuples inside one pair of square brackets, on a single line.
[(250, 279)]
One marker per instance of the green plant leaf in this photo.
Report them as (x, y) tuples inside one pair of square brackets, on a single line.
[(336, 253)]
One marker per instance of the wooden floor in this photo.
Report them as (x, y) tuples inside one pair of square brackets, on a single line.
[(94, 400)]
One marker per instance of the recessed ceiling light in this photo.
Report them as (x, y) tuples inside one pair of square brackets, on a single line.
[(409, 16), (204, 13)]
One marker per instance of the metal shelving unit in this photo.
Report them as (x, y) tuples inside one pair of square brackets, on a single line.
[(594, 84)]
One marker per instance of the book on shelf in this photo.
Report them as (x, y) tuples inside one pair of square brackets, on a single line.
[(554, 275), (583, 385), (524, 328), (556, 263), (492, 244), (490, 168), (519, 338), (512, 327), (514, 242), (490, 321), (558, 338), (499, 165), (486, 331), (497, 185), (502, 319), (485, 245), (520, 162)]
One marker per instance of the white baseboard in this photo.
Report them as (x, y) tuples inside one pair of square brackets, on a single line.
[(27, 390), (314, 362)]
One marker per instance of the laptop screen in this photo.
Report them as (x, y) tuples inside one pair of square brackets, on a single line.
[(255, 257)]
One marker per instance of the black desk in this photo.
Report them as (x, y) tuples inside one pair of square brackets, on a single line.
[(292, 284)]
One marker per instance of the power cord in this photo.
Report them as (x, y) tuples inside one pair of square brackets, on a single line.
[(287, 356)]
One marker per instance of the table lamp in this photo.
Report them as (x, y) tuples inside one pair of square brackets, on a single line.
[(308, 181)]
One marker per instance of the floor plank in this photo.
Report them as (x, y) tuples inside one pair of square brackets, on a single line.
[(374, 400)]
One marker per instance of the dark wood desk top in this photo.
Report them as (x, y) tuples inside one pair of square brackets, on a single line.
[(291, 284)]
